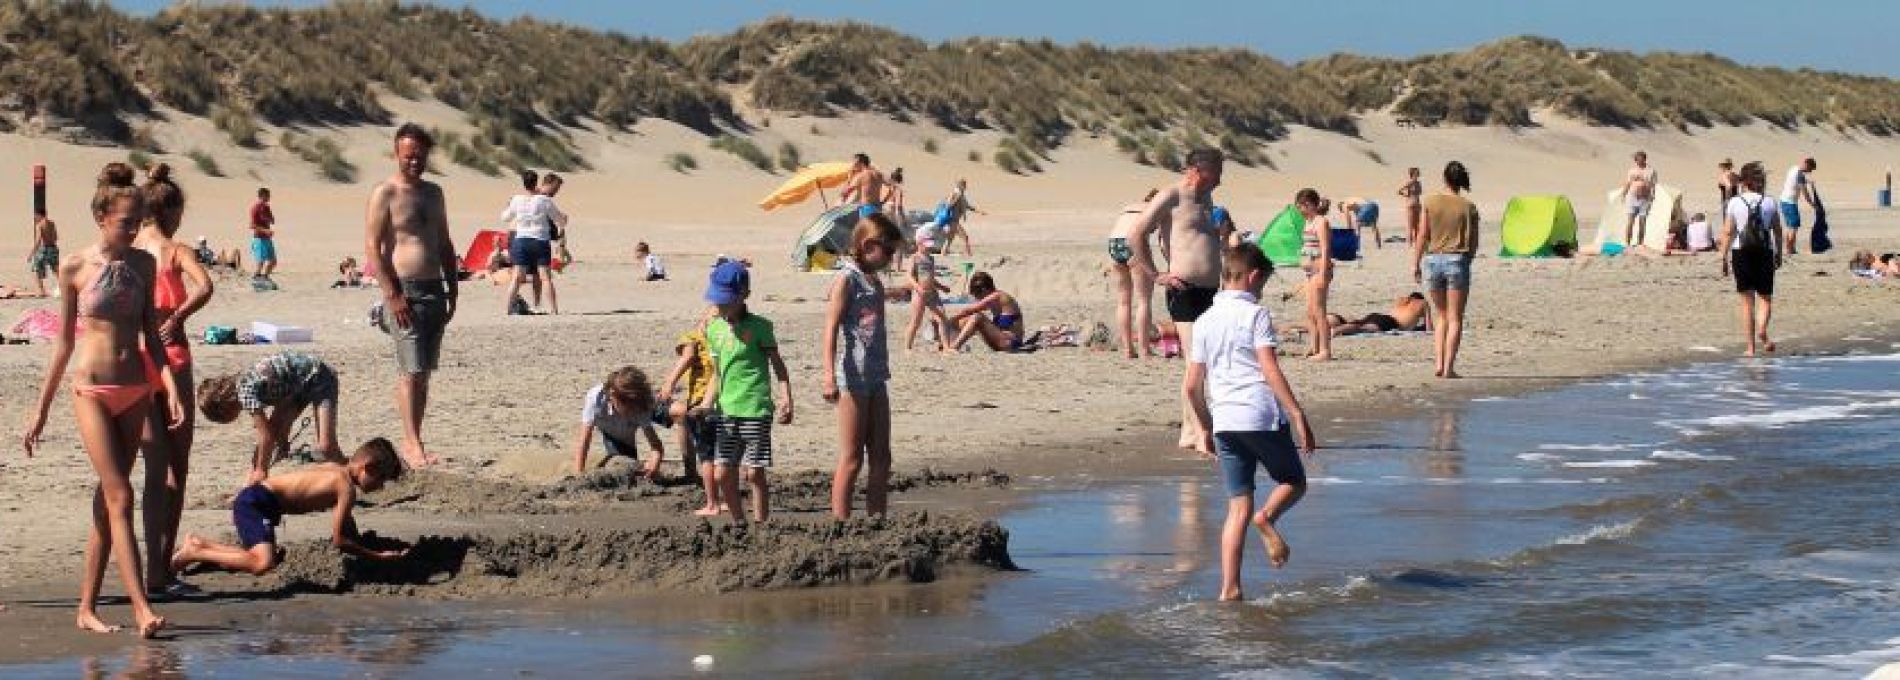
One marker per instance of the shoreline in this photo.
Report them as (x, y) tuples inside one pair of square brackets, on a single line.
[(39, 613)]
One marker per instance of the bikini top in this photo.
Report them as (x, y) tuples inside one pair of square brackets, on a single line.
[(114, 294)]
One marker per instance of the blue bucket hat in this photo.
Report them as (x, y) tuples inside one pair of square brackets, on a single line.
[(729, 283)]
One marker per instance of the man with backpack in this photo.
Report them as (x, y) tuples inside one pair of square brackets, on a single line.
[(1752, 235)]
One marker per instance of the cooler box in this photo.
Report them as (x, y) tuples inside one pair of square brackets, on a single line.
[(277, 334)]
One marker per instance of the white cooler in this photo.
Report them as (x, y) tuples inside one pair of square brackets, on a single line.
[(277, 334)]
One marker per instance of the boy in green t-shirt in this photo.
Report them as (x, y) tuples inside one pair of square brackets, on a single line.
[(743, 348)]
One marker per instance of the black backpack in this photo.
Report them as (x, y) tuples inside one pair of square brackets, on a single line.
[(1755, 239)]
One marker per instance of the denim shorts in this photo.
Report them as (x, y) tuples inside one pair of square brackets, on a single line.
[(530, 252), (1448, 271), (1242, 453)]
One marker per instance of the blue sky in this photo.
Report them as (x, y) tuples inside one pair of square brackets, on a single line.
[(1849, 35)]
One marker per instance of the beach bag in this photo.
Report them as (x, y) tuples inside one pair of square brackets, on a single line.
[(221, 335), (1755, 239), (1818, 242), (518, 306)]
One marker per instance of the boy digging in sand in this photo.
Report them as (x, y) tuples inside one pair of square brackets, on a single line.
[(275, 391), (1233, 373), (261, 507)]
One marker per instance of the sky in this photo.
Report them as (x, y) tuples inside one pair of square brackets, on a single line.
[(1857, 36)]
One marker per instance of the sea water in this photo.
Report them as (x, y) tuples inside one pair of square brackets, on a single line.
[(1731, 519)]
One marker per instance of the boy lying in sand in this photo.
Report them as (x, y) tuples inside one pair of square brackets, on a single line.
[(261, 507)]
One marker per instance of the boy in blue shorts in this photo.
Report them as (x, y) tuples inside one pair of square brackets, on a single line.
[(325, 487), (1242, 400), (743, 349)]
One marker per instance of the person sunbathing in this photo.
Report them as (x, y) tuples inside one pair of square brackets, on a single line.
[(1407, 313)]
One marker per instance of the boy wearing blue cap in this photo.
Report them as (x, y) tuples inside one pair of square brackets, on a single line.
[(743, 348)]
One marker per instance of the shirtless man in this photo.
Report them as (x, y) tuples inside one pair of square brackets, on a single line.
[(1407, 314), (865, 186), (407, 237), (44, 261), (1639, 186), (1192, 243)]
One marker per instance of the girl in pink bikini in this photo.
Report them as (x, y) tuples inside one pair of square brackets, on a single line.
[(118, 363), (168, 451)]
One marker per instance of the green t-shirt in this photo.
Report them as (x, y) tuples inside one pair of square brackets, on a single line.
[(745, 378)]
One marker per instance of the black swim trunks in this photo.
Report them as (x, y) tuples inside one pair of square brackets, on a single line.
[(1384, 322), (1754, 272), (1185, 305)]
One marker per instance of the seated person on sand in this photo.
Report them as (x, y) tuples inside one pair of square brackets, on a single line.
[(275, 391), (620, 408), (348, 274), (260, 508), (1696, 237), (1407, 314), (1002, 329), (1864, 265), (1890, 263), (498, 269)]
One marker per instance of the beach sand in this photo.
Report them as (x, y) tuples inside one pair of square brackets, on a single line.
[(505, 403)]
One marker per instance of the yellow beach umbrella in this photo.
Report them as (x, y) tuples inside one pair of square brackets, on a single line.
[(814, 178)]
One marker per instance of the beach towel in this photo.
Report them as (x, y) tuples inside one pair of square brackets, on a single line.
[(38, 324), (1818, 242)]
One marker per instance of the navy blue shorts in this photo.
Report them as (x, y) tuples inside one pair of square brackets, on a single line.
[(615, 447), (1242, 453), (256, 514), (530, 252)]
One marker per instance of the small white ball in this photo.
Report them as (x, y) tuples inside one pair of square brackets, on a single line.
[(703, 662)]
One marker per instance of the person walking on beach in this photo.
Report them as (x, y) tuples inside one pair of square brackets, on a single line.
[(118, 364), (1795, 191), (1134, 290), (1441, 261), (1752, 239), (1412, 191), (1247, 412), (1193, 243), (1316, 261), (534, 219), (892, 201), (168, 450), (959, 208), (865, 185), (263, 236), (746, 368), (44, 259), (407, 237), (1639, 188), (857, 370), (1727, 183)]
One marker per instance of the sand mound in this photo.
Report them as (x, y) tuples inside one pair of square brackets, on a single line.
[(803, 491), (700, 557)]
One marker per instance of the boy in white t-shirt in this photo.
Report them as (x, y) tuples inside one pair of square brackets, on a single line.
[(655, 270), (1243, 401)]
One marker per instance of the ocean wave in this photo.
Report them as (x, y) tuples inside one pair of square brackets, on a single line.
[(1669, 454), (1539, 457), (1609, 464), (1589, 447), (1603, 532), (1797, 416)]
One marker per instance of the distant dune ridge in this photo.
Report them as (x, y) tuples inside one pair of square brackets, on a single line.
[(91, 73)]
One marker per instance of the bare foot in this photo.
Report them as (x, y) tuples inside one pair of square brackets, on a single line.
[(1277, 550), (191, 544), (1451, 375), (1748, 352), (1231, 595), (418, 457), (149, 627), (89, 622), (1325, 356), (1767, 346), (708, 511)]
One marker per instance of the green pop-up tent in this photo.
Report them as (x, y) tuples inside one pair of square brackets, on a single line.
[(1282, 238), (1534, 226)]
